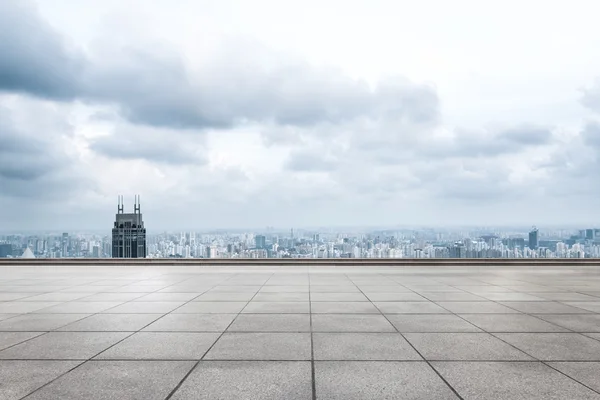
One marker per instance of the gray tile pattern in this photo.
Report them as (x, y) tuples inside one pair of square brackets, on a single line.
[(300, 332)]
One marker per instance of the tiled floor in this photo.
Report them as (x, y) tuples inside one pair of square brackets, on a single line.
[(300, 332)]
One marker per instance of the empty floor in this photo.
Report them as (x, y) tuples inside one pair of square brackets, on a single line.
[(157, 332)]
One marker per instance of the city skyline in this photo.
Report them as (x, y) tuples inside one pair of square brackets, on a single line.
[(223, 116)]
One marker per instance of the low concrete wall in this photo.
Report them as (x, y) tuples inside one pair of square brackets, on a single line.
[(302, 261)]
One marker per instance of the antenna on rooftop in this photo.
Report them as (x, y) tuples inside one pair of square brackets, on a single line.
[(136, 205), (120, 204)]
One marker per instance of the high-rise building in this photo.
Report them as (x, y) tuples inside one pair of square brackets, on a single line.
[(534, 240), (129, 234), (261, 241), (6, 250)]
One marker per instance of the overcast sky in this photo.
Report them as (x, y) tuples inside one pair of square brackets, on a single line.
[(240, 114)]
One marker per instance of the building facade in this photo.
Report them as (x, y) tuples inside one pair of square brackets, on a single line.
[(129, 233)]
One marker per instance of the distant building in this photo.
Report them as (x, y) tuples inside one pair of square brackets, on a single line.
[(534, 240), (261, 241), (6, 250), (28, 253), (129, 234)]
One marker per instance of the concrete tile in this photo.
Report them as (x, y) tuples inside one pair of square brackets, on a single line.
[(409, 307), (593, 335), (350, 323), (345, 307), (288, 307), (268, 380), (371, 289), (161, 346), (484, 289), (111, 323), (111, 297), (261, 346), (21, 307), (280, 297), (284, 289), (463, 346), (362, 346), (16, 296), (167, 297), (271, 323), (145, 307), (589, 306), (395, 297), (8, 339), (445, 296), (63, 346), (227, 297), (235, 289), (19, 378), (362, 380), (57, 296), (476, 307), (78, 307), (587, 373), (192, 323), (567, 296), (210, 307), (555, 346), (511, 380), (39, 322), (7, 316), (574, 322), (511, 296), (334, 289), (338, 297), (123, 380), (430, 323), (137, 289), (549, 307), (511, 323)]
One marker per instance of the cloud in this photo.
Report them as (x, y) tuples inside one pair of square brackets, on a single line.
[(304, 161), (151, 144), (591, 97)]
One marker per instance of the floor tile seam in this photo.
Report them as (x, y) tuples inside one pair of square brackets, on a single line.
[(180, 383), (313, 380), (41, 333), (424, 360), (420, 355), (520, 312), (546, 363)]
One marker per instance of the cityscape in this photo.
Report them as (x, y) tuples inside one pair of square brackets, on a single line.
[(130, 240)]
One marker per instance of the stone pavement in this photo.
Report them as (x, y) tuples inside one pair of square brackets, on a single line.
[(160, 332)]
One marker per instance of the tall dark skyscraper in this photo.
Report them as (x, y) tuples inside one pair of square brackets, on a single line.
[(534, 240), (261, 242), (129, 234)]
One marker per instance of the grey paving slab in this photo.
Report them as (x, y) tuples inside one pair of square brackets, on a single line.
[(78, 307), (452, 296), (209, 307), (288, 307), (111, 323), (145, 307), (567, 296), (362, 346), (20, 307), (19, 378), (123, 380), (337, 297), (272, 380), (410, 307), (351, 288), (537, 307), (192, 323), (57, 296), (407, 323), (555, 346), (511, 296), (235, 289), (511, 323), (464, 346), (280, 297), (395, 297), (226, 297), (362, 380), (371, 289), (346, 307), (16, 296), (587, 373), (7, 316), (574, 322), (284, 289), (585, 305), (350, 323), (8, 339), (271, 323), (39, 322), (111, 297), (476, 307), (161, 346), (593, 335), (511, 380), (63, 346), (167, 297), (261, 346)]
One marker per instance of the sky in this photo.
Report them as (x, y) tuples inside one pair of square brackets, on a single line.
[(238, 114)]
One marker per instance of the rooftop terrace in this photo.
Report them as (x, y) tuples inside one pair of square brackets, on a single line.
[(300, 332)]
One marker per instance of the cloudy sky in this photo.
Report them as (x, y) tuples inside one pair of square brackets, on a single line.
[(240, 114)]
